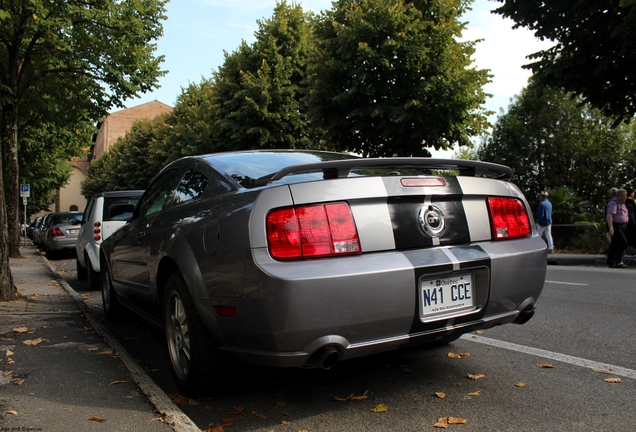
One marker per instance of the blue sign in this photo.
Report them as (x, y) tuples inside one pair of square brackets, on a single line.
[(25, 190)]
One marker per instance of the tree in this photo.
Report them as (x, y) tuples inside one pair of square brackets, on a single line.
[(594, 52), (552, 140), (258, 89), (390, 78), (92, 53)]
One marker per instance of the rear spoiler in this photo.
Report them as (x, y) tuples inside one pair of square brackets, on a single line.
[(341, 168)]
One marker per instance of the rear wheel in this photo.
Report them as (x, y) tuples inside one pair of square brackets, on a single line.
[(82, 274), (112, 308), (93, 276), (195, 360)]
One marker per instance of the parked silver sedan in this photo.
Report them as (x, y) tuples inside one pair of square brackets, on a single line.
[(304, 258), (60, 232)]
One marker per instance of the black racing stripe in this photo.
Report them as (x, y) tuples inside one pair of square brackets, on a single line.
[(407, 231), (472, 259)]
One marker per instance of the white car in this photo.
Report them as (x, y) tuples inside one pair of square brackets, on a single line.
[(105, 212)]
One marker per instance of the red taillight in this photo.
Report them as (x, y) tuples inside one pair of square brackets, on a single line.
[(97, 238), (312, 231), (97, 224), (225, 311), (508, 217), (56, 232)]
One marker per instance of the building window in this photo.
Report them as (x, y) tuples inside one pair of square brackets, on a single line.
[(73, 208)]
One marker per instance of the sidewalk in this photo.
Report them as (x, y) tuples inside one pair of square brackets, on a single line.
[(567, 259), (62, 370)]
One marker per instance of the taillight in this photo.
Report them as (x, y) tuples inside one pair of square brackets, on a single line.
[(312, 231), (508, 217), (56, 232)]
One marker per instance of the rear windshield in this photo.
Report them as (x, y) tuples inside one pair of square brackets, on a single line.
[(249, 169), (65, 218), (118, 200)]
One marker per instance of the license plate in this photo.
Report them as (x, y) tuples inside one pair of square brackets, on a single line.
[(446, 295), (71, 231)]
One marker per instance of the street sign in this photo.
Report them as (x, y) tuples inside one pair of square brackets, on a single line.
[(25, 190), (24, 200)]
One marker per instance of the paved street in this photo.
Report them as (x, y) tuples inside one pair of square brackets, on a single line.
[(583, 328)]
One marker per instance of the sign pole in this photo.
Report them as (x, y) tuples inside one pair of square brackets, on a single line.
[(24, 200), (25, 192)]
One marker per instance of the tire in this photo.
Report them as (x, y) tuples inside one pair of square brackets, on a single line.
[(82, 274), (110, 302), (196, 364), (94, 278)]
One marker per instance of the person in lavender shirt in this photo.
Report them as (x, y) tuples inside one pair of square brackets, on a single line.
[(617, 218)]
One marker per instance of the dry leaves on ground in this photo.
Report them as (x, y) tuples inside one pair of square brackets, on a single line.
[(96, 419), (458, 355), (33, 342), (521, 384), (20, 330), (603, 371), (545, 365), (613, 380), (444, 422), (9, 353), (12, 412), (475, 393), (260, 416), (475, 377), (379, 408), (440, 395), (353, 397)]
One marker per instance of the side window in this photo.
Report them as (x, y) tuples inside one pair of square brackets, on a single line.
[(192, 185), (89, 209), (157, 194)]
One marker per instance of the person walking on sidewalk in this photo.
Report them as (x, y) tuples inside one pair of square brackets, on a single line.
[(544, 220), (617, 218)]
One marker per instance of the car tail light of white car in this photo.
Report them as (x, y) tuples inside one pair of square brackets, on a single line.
[(508, 217), (312, 231)]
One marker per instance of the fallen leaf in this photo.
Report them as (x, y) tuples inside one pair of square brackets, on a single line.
[(118, 382), (520, 384), (379, 408), (7, 373), (106, 353), (342, 399), (9, 361), (545, 365), (193, 402), (7, 339), (9, 353), (475, 393), (285, 413), (480, 332), (441, 425), (603, 371), (613, 380), (476, 376), (12, 412), (260, 416), (238, 410), (33, 342), (19, 383), (457, 420), (96, 419), (279, 405), (440, 395), (20, 330), (284, 422), (458, 355), (359, 398)]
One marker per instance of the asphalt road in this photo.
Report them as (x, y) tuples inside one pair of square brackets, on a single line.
[(583, 328)]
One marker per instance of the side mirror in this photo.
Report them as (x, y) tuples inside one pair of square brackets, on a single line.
[(121, 212)]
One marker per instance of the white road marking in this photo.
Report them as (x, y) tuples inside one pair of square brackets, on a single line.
[(564, 358), (565, 283)]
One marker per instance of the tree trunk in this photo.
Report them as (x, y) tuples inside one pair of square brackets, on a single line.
[(7, 290), (10, 176)]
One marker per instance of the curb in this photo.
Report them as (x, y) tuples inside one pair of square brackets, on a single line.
[(173, 415)]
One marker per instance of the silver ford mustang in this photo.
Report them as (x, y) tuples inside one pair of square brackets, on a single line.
[(303, 258)]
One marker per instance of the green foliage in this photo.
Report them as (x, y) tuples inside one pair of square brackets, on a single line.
[(258, 90), (594, 52), (389, 78), (551, 140), (567, 208)]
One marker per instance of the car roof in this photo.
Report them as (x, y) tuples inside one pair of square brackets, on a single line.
[(119, 194)]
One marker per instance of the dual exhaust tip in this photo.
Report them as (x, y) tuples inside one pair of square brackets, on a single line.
[(324, 358)]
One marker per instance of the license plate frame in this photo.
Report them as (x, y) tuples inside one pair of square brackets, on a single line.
[(446, 296)]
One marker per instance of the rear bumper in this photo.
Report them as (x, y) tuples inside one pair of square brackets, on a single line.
[(61, 243), (366, 304)]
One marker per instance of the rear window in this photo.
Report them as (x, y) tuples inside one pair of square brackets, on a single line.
[(248, 169), (118, 200), (64, 219)]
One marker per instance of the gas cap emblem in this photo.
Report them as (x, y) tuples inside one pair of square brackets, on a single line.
[(432, 220)]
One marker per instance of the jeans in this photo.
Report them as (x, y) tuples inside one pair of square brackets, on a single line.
[(547, 229)]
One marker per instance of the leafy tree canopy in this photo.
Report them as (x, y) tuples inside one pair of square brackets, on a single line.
[(390, 78), (552, 140), (594, 52)]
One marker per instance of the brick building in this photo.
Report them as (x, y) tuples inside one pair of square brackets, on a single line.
[(112, 127)]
